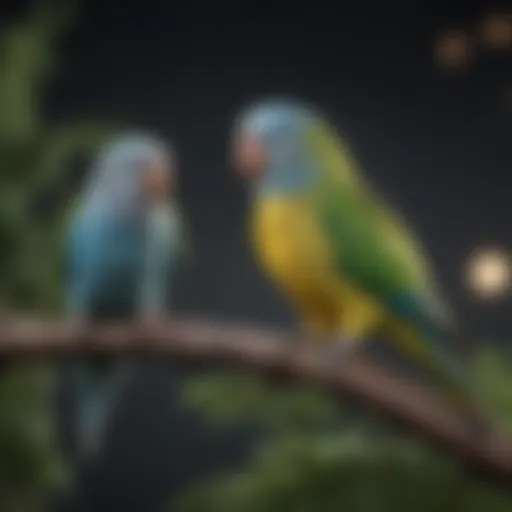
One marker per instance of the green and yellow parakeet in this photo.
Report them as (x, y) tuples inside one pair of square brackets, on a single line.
[(345, 260)]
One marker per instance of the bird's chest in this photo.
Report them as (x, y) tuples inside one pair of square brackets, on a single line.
[(119, 259), (288, 243)]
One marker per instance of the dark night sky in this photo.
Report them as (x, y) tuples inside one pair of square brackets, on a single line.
[(437, 145)]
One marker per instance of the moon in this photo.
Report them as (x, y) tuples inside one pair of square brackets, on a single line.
[(489, 272)]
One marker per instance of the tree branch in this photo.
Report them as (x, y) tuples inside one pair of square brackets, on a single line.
[(272, 353)]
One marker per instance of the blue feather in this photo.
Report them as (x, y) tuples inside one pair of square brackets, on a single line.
[(119, 264)]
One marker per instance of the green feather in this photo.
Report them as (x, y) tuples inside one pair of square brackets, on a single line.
[(370, 243)]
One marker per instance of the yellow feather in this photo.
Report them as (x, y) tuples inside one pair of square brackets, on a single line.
[(294, 253)]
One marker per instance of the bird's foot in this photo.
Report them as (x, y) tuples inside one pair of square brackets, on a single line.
[(76, 326), (336, 353), (78, 330), (148, 321)]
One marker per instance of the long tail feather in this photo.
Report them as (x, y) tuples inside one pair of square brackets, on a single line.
[(92, 406)]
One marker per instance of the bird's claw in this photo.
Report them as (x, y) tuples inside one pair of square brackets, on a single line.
[(76, 326), (335, 354), (150, 319)]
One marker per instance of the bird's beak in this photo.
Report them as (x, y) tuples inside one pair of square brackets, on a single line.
[(249, 156), (158, 178)]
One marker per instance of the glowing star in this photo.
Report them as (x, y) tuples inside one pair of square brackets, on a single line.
[(489, 273)]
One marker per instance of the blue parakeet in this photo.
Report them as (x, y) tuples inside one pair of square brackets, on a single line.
[(125, 243)]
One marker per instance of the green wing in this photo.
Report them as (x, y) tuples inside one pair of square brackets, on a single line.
[(369, 242), (374, 249)]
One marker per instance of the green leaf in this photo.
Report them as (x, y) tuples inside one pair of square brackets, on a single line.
[(36, 157), (308, 461)]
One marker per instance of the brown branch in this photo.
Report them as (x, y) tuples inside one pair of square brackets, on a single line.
[(270, 352)]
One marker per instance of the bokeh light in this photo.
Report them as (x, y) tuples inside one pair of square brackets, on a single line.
[(489, 272), (453, 50), (496, 30)]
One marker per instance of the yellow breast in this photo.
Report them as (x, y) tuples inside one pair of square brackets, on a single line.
[(288, 243), (290, 246)]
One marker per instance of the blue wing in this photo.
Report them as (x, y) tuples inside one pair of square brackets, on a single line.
[(90, 265), (83, 260), (163, 246)]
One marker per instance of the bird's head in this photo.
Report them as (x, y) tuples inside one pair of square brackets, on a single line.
[(133, 170), (269, 142)]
